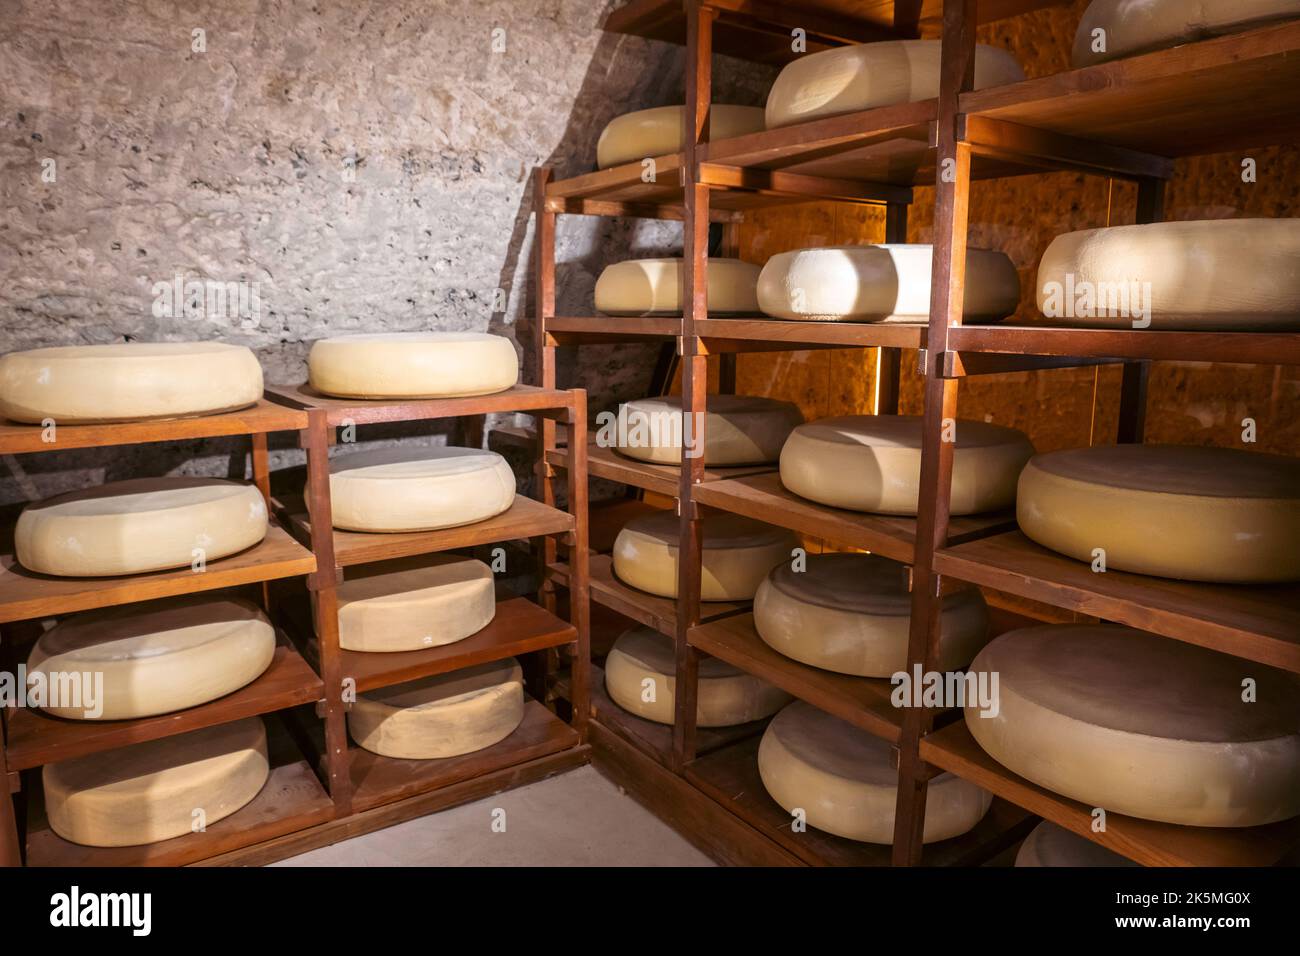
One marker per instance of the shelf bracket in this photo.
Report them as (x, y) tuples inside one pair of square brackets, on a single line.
[(1032, 146)]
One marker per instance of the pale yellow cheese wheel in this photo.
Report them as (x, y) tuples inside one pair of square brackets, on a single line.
[(873, 463), (442, 716), (850, 613), (880, 283), (1140, 26), (414, 603), (650, 286), (1052, 845), (139, 525), (128, 381), (418, 489), (738, 429), (640, 676), (864, 76), (1224, 274), (842, 778), (159, 789), (647, 134), (413, 365), (1200, 514), (158, 657), (1142, 725), (736, 555)]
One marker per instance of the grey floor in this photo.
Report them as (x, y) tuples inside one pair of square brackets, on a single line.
[(576, 819)]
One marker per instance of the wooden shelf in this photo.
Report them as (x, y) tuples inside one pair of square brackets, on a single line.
[(339, 411), (595, 329), (1251, 348), (1258, 623), (1149, 843), (661, 479), (745, 333)]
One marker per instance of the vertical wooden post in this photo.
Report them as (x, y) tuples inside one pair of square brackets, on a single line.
[(727, 361), (10, 849), (260, 463), (889, 361), (544, 303), (1133, 386), (579, 555)]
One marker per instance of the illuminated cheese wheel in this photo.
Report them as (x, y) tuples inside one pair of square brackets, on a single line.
[(128, 381), (1143, 725), (1200, 514), (1051, 845), (144, 524), (737, 553), (646, 134), (843, 779), (850, 613), (873, 463), (738, 429), (1130, 28), (880, 283), (413, 365), (648, 286)]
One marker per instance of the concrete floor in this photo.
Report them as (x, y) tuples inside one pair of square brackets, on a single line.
[(576, 819)]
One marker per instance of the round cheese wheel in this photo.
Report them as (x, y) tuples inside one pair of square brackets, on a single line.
[(157, 657), (128, 381), (159, 789), (736, 555), (441, 716), (1226, 274), (867, 75), (850, 613), (1200, 514), (646, 134), (144, 524), (414, 603), (883, 283), (843, 779), (645, 286), (413, 365), (418, 489), (1142, 725), (1130, 28), (738, 429), (640, 676), (873, 463), (1051, 845)]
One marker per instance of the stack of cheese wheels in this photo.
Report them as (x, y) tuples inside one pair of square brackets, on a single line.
[(1199, 514), (1142, 725), (1220, 274), (873, 463), (155, 658), (1111, 29), (736, 555), (1051, 845), (151, 791), (650, 286), (884, 283), (843, 780), (850, 613), (414, 603), (418, 489), (413, 365), (738, 430), (132, 381), (442, 716), (867, 75), (646, 134), (640, 676), (144, 524)]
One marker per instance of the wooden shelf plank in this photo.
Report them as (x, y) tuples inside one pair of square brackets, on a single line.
[(723, 334), (593, 329), (607, 463), (1251, 348), (519, 398)]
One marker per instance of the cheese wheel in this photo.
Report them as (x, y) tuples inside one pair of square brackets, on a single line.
[(441, 716), (128, 381), (413, 365), (1221, 274), (159, 789), (1142, 725), (156, 657), (1131, 28), (868, 75), (873, 463), (736, 555), (1051, 845), (646, 134), (646, 286), (1200, 514), (139, 525), (418, 489), (843, 779), (414, 603), (738, 430), (882, 283), (850, 613), (640, 676)]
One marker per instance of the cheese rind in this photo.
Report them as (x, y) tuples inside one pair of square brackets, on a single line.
[(413, 365), (738, 430), (654, 286), (1052, 845), (647, 134), (1131, 28)]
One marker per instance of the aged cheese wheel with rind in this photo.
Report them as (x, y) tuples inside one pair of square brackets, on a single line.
[(1130, 28), (654, 287), (738, 430), (412, 365), (647, 134)]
